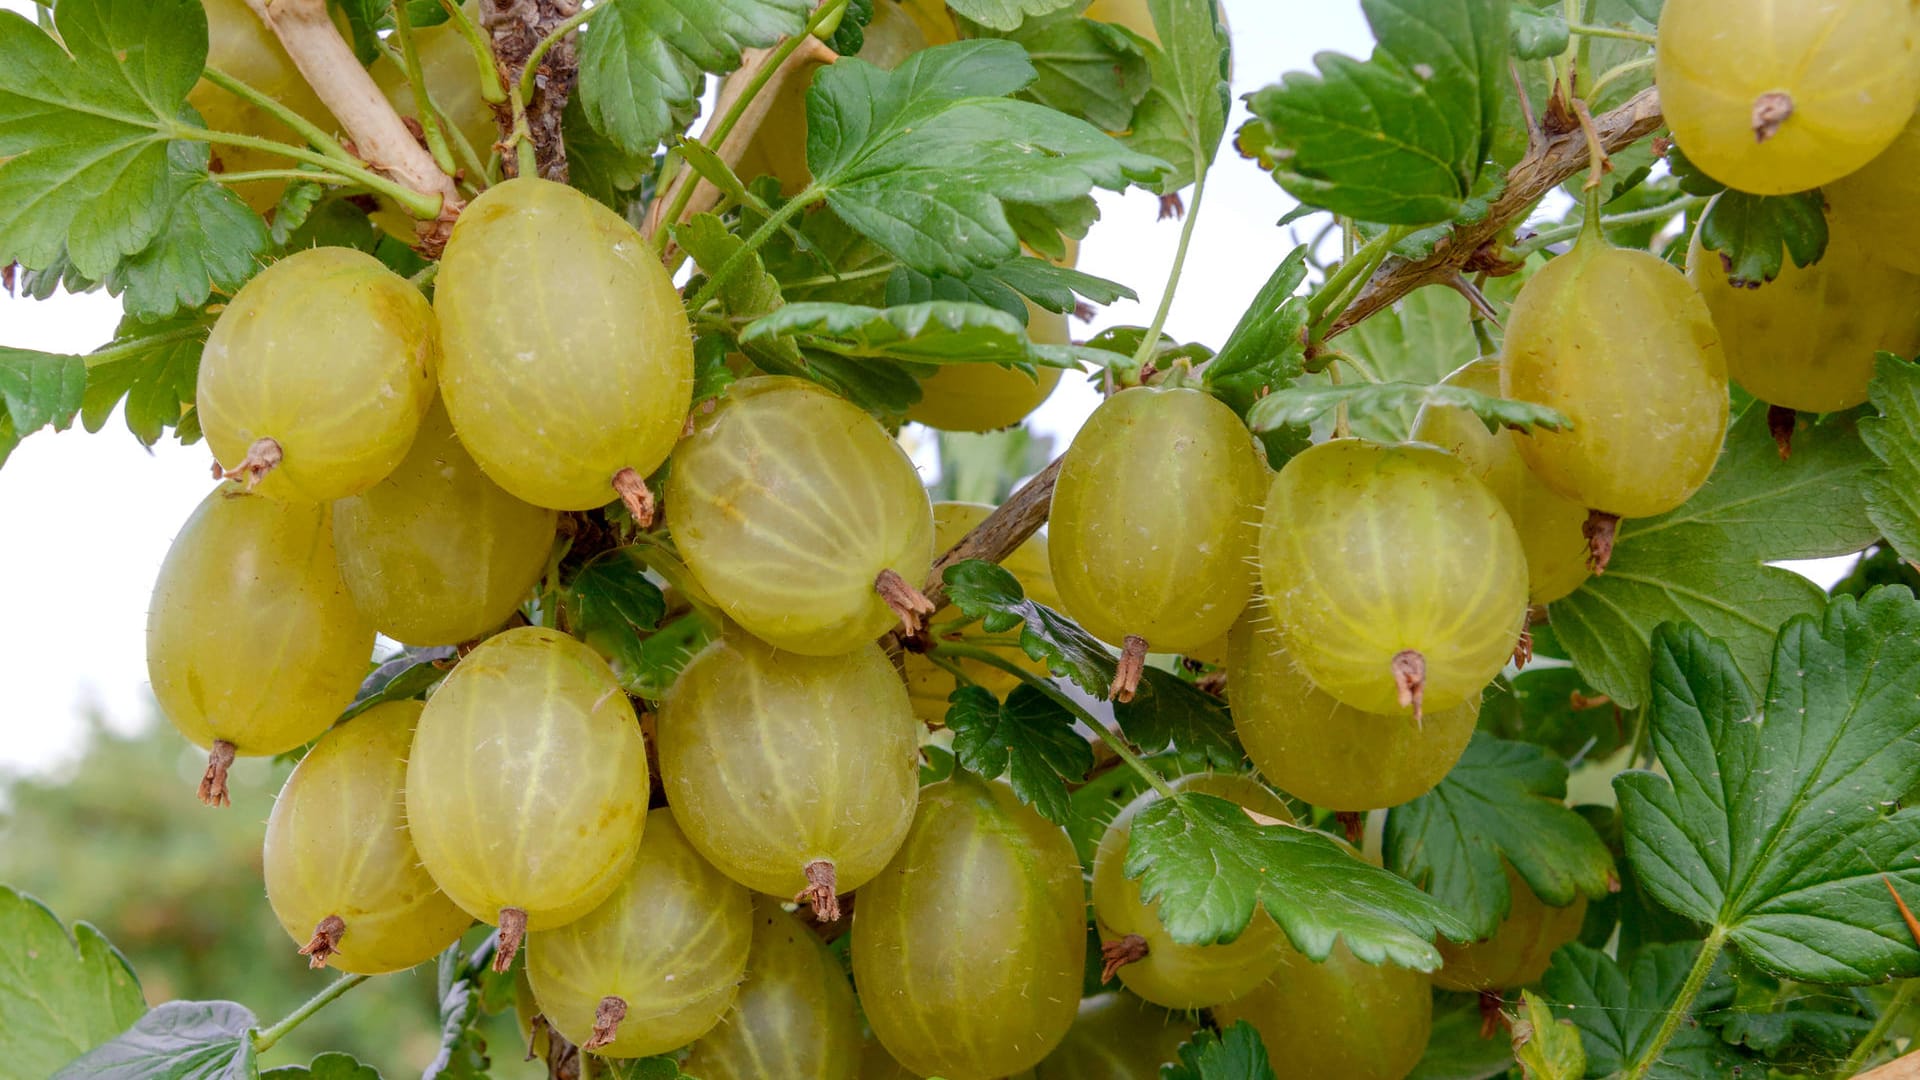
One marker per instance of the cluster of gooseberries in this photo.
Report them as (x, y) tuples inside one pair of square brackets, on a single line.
[(400, 467)]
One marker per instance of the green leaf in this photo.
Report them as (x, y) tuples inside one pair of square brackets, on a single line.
[(1265, 351), (640, 60), (1535, 34), (1548, 1048), (1455, 1050), (986, 591), (1705, 563), (1503, 804), (1538, 705), (922, 159), (410, 674), (1399, 139), (1030, 738), (328, 1066), (1087, 69), (212, 240), (177, 1040), (1751, 232), (296, 204), (935, 332), (1775, 826), (1184, 113), (463, 1050), (60, 994), (1006, 14), (1234, 1054), (661, 1067), (1208, 865), (83, 137), (1619, 1012), (1386, 402), (1422, 340), (1807, 1030), (749, 290), (649, 671), (39, 389), (597, 165), (610, 604), (1893, 501), (153, 367), (1168, 713)]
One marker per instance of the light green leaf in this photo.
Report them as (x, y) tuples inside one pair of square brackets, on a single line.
[(1705, 562), (60, 994), (1006, 14), (1537, 34), (935, 332), (640, 60), (749, 290), (39, 389), (1184, 113), (84, 130), (1399, 139), (1893, 499), (329, 1066), (212, 240), (1548, 1048), (1780, 825), (1422, 339), (1387, 402), (153, 367), (177, 1040)]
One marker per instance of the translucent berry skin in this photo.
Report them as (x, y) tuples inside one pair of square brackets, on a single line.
[(927, 684), (988, 397), (772, 760), (1338, 1020), (1116, 1037), (1623, 346), (527, 784), (1549, 523), (1332, 755), (568, 356), (328, 353), (1875, 203), (1171, 974), (1368, 550), (794, 1017), (1806, 340), (672, 942), (337, 844), (252, 638), (1521, 946), (786, 503), (242, 46), (970, 946), (436, 553), (1154, 519), (1849, 68)]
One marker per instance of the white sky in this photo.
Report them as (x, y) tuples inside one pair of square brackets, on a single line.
[(85, 520)]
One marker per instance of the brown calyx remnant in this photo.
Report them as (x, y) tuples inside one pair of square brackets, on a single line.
[(563, 1058), (1493, 1013), (633, 491), (906, 601), (1117, 954), (1353, 824), (606, 1022), (325, 941), (1578, 701), (261, 459), (820, 894), (513, 930), (1780, 422), (1410, 678), (213, 784), (515, 27), (1171, 207), (1599, 529), (1133, 663), (1770, 110), (1523, 649)]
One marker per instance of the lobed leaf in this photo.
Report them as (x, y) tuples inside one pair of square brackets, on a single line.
[(1548, 1048), (416, 670), (1756, 234), (1893, 501), (61, 994), (988, 592), (1184, 113), (328, 1066), (1620, 1011), (39, 390), (1302, 405), (1084, 68), (1006, 14), (1234, 1054), (934, 332), (1030, 739), (1169, 714), (177, 1040)]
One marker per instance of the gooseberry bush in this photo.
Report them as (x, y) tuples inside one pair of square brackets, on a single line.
[(1402, 688)]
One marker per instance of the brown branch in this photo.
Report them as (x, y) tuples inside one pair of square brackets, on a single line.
[(1558, 158), (515, 27), (1005, 529)]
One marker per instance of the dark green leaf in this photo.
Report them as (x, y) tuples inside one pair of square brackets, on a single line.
[(1208, 865), (640, 60), (1399, 139), (61, 994), (923, 158), (1086, 69), (749, 290), (1265, 351), (39, 389), (1234, 1054), (83, 137), (1030, 737), (1751, 232), (851, 35), (296, 203), (177, 1040), (1302, 405), (330, 1066), (1455, 1049), (1550, 703), (986, 591), (1006, 14), (1618, 1012), (339, 223), (153, 367), (711, 375), (1893, 500), (1705, 563), (212, 240), (662, 1067), (1537, 34), (416, 670), (649, 673), (1503, 804), (1184, 112), (1812, 1036), (1776, 826), (611, 605), (597, 165), (463, 1050), (936, 332), (1169, 713)]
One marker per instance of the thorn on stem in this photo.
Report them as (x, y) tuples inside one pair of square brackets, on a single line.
[(1133, 663), (1770, 111), (261, 458), (1410, 678), (606, 1022), (820, 893), (906, 601), (1117, 954), (633, 491), (325, 941), (1599, 529), (513, 930), (213, 784), (1780, 422)]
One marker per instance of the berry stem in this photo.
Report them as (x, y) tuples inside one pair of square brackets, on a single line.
[(264, 1040), (909, 603), (633, 491)]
